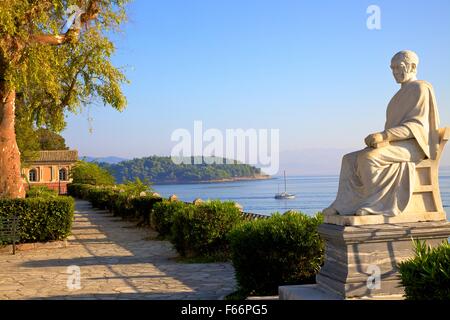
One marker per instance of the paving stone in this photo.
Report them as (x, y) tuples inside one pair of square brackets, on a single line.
[(117, 261)]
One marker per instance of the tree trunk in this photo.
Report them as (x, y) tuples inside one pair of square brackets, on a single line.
[(11, 183)]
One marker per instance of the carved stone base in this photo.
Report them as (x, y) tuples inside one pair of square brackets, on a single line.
[(354, 253), (379, 219)]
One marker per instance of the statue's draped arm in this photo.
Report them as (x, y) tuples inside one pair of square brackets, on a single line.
[(415, 110)]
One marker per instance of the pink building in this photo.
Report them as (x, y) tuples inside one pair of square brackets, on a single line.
[(51, 169)]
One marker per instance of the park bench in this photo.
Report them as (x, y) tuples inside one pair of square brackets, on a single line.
[(8, 231)]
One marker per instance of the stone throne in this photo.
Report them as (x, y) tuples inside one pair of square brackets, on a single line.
[(360, 248), (426, 199), (425, 204), (387, 196)]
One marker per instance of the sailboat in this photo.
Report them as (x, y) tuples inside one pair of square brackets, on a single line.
[(284, 195)]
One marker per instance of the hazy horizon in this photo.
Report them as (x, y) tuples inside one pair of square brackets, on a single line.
[(313, 70)]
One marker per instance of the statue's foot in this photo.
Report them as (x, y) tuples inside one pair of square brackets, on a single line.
[(330, 212), (362, 212)]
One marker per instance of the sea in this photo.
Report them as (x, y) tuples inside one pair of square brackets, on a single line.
[(313, 193)]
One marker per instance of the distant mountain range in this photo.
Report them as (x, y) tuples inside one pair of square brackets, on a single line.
[(110, 160)]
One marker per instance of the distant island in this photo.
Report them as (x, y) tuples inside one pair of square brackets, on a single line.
[(162, 170)]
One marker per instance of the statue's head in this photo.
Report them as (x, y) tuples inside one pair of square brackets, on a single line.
[(404, 66)]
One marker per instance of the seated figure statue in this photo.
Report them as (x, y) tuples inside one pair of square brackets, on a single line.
[(379, 179)]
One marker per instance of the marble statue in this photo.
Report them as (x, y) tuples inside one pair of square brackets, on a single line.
[(379, 180)]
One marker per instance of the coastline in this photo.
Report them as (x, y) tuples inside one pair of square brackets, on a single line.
[(234, 179)]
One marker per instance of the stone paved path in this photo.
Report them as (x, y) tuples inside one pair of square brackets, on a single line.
[(117, 261)]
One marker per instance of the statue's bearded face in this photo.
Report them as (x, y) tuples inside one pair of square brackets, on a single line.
[(403, 71)]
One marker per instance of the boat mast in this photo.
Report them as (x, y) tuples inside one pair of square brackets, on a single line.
[(285, 181)]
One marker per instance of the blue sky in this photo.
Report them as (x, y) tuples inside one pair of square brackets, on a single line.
[(309, 68)]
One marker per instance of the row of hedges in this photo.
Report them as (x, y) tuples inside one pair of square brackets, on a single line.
[(126, 201), (200, 230), (266, 253), (41, 219)]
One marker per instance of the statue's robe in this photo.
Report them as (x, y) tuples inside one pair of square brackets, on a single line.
[(381, 180)]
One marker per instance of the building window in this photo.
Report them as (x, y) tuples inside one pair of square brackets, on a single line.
[(33, 175), (62, 175)]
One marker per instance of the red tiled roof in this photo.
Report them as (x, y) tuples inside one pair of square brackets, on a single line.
[(57, 156)]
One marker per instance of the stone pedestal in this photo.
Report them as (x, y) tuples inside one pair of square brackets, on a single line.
[(355, 254)]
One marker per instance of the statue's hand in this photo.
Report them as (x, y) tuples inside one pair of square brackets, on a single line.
[(373, 139)]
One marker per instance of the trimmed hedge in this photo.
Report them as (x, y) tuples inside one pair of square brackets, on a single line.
[(79, 190), (427, 275), (41, 192), (163, 216), (282, 250), (41, 219), (201, 230), (123, 201), (144, 206)]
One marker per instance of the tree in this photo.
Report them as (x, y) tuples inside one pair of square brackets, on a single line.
[(90, 173), (49, 140), (54, 72), (31, 140), (26, 137)]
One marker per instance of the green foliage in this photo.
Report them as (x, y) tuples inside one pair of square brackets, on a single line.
[(163, 216), (137, 187), (120, 200), (144, 206), (164, 170), (427, 275), (55, 79), (79, 190), (40, 219), (26, 137), (201, 230), (49, 140), (90, 173), (41, 192), (284, 249), (101, 197)]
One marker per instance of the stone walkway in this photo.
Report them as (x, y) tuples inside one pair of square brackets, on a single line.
[(116, 260)]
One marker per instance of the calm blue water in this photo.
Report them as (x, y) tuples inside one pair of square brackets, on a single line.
[(312, 193)]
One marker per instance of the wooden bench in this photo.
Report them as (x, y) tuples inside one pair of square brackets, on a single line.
[(8, 231)]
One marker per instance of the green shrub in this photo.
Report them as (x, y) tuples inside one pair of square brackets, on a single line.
[(427, 275), (143, 207), (122, 206), (163, 216), (284, 249), (126, 201), (40, 219), (137, 187), (79, 190), (91, 173), (41, 192), (101, 197), (201, 231)]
